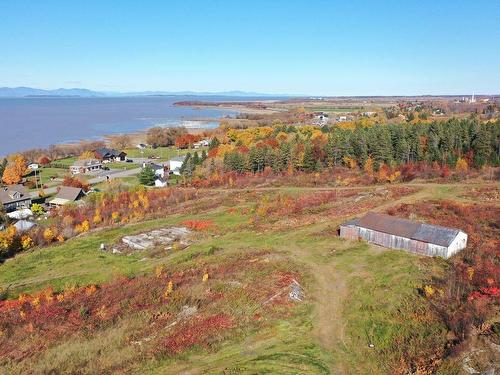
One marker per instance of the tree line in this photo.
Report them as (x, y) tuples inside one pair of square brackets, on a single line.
[(445, 143)]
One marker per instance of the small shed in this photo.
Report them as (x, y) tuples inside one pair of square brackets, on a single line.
[(67, 194), (397, 233)]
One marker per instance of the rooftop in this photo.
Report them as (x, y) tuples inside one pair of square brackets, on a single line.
[(104, 151), (69, 193), (13, 193), (178, 158), (86, 162)]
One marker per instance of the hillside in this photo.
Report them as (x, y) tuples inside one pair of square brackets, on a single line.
[(262, 285)]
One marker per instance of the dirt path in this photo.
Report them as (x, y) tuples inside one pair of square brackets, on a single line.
[(331, 287)]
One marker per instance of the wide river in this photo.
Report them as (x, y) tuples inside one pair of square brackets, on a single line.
[(27, 123)]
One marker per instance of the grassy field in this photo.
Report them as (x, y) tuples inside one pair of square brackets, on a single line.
[(361, 313)]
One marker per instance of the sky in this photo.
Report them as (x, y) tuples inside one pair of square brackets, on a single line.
[(313, 47)]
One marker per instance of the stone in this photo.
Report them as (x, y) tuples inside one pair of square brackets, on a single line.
[(158, 237), (187, 311), (296, 292)]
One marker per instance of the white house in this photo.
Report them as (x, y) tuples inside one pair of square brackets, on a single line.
[(175, 164), (157, 168), (85, 166), (161, 182)]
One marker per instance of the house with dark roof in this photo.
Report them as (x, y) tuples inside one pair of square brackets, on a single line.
[(13, 197), (412, 236), (67, 194), (107, 155)]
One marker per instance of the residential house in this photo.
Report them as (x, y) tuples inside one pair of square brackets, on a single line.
[(107, 155), (67, 194), (321, 118), (142, 146), (13, 197), (175, 164), (157, 168), (397, 233), (161, 182), (85, 166)]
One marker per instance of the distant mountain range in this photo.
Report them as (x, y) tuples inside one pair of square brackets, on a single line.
[(22, 92)]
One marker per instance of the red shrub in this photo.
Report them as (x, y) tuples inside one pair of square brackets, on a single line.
[(198, 225), (197, 331)]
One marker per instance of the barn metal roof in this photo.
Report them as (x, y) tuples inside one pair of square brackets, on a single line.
[(433, 234)]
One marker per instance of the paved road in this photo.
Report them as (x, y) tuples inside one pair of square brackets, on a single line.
[(113, 173)]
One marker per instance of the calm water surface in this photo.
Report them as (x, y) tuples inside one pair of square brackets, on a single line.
[(39, 122)]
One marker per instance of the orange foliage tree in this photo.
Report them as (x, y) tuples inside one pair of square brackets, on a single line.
[(15, 170), (75, 182)]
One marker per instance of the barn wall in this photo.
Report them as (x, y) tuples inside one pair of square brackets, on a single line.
[(394, 242), (349, 232), (458, 244)]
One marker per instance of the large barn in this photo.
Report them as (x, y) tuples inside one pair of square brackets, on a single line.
[(396, 233)]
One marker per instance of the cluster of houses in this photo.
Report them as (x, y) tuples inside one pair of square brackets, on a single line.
[(162, 171), (16, 202), (102, 156)]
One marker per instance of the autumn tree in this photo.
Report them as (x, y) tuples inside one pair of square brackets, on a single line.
[(461, 167), (121, 141), (75, 182), (44, 160), (87, 155), (3, 165), (368, 167), (15, 169), (163, 137)]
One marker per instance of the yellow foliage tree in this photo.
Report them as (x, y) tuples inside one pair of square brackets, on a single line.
[(350, 162), (87, 155), (461, 166), (393, 176), (48, 235), (7, 237), (368, 167), (97, 217), (26, 242), (83, 227)]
